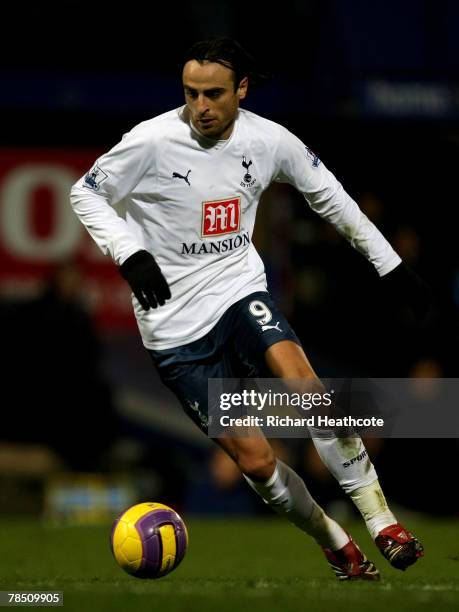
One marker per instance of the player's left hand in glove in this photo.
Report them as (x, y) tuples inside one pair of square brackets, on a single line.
[(146, 279), (407, 288)]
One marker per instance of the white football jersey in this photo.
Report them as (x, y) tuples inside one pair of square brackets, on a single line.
[(191, 202)]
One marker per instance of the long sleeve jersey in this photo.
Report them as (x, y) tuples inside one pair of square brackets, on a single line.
[(191, 202)]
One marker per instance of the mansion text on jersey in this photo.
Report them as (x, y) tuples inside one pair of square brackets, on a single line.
[(216, 246)]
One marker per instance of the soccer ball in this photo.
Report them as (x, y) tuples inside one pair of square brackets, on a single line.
[(148, 540)]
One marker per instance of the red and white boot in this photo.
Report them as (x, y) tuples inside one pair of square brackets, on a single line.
[(399, 546), (349, 563)]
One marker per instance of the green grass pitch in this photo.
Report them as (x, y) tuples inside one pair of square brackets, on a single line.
[(232, 565)]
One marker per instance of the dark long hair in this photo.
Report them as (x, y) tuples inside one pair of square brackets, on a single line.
[(229, 53)]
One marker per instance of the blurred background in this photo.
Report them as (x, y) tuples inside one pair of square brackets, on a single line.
[(371, 87)]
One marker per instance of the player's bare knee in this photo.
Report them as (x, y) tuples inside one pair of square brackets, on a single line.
[(258, 467), (316, 389), (304, 385), (312, 385)]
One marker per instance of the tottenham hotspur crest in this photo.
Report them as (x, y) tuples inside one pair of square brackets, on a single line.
[(248, 181)]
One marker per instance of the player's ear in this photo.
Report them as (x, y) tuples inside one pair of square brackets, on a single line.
[(242, 89)]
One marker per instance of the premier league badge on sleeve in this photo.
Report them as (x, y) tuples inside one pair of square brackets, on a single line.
[(315, 160), (94, 178)]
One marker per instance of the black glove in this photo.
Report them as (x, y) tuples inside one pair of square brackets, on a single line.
[(411, 291), (145, 277)]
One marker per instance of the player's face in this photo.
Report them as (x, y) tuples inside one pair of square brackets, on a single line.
[(211, 98)]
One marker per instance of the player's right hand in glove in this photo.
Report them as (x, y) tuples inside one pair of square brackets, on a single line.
[(409, 290), (146, 279)]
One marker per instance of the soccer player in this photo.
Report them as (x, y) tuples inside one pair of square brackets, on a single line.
[(191, 180)]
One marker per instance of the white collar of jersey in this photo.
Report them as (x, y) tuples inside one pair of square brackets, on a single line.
[(216, 144)]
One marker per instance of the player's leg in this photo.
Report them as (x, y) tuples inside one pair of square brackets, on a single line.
[(263, 336), (186, 370), (359, 480), (286, 493)]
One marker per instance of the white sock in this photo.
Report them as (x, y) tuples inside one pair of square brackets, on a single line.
[(348, 461), (346, 458), (373, 507), (287, 495)]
